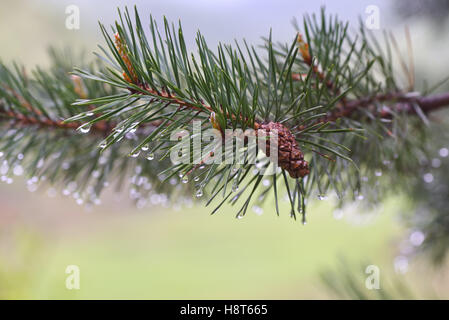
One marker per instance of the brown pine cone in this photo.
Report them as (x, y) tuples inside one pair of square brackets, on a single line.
[(290, 157)]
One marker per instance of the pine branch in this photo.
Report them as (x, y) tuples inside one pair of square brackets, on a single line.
[(400, 103), (334, 100)]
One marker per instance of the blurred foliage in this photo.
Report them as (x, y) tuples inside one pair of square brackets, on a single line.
[(436, 10), (348, 282), (430, 199)]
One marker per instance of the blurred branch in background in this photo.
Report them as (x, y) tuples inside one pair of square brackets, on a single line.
[(347, 282), (436, 10)]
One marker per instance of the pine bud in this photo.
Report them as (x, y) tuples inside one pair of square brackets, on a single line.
[(78, 86), (123, 51), (214, 121), (304, 49)]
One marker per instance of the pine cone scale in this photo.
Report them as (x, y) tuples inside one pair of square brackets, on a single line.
[(290, 157)]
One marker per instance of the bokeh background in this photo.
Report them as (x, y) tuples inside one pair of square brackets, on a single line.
[(162, 252)]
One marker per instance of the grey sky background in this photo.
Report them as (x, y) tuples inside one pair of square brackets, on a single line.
[(29, 27), (226, 20)]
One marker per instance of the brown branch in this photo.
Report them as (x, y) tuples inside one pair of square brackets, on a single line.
[(402, 103)]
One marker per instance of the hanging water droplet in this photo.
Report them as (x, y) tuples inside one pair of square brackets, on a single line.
[(179, 153), (40, 163), (258, 210), (444, 152), (103, 144), (428, 178), (322, 197), (185, 179), (150, 156), (145, 147), (133, 127), (18, 170), (135, 154), (196, 179), (4, 168), (85, 128), (199, 193), (239, 217), (235, 187)]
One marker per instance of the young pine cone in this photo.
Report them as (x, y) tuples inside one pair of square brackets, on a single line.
[(290, 157)]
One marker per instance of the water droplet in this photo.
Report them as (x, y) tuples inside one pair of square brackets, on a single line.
[(258, 210), (4, 168), (199, 193), (103, 144), (401, 264), (18, 170), (40, 163), (417, 238), (444, 152), (85, 128), (89, 114), (239, 217), (133, 127), (179, 153), (150, 156), (235, 187), (102, 160), (378, 173), (428, 178), (135, 154), (196, 179), (145, 147), (322, 197), (185, 179), (20, 156)]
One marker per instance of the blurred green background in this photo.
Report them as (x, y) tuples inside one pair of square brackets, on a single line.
[(166, 253)]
